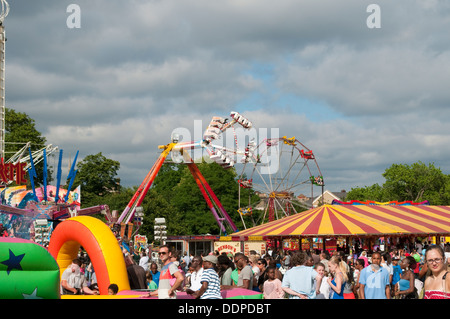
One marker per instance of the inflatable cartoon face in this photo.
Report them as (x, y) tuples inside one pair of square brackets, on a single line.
[(27, 271)]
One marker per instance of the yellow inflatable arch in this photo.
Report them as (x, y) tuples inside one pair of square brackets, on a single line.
[(100, 244)]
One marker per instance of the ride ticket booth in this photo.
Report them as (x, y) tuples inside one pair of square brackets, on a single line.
[(233, 245)]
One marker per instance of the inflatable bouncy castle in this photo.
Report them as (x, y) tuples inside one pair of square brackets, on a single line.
[(100, 244), (27, 270)]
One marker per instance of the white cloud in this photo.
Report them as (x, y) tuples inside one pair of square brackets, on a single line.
[(386, 80), (137, 70)]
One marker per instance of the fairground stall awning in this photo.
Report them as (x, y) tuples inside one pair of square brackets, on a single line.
[(358, 220)]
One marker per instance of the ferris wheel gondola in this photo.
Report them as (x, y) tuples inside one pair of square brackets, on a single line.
[(280, 172)]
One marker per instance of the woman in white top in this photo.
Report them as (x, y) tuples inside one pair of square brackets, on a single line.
[(386, 262), (253, 262)]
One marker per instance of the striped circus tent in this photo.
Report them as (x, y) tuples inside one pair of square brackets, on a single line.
[(358, 220)]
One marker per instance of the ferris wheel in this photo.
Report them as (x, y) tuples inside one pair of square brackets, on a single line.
[(277, 180)]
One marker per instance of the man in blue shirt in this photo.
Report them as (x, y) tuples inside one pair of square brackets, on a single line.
[(155, 273), (397, 271), (374, 280), (298, 281)]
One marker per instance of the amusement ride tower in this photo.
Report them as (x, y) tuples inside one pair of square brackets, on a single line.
[(3, 13)]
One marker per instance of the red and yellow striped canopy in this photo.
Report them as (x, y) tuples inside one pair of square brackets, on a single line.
[(358, 220)]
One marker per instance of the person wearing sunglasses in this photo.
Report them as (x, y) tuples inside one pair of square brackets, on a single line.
[(169, 272), (437, 285), (262, 265)]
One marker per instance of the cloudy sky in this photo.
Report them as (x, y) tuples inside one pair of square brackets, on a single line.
[(361, 98)]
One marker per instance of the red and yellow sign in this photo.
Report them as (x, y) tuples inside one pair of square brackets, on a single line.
[(13, 172), (227, 247)]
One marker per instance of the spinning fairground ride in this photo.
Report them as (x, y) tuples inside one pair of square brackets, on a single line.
[(281, 173), (275, 176), (179, 151)]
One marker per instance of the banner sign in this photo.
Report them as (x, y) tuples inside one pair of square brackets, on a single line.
[(18, 196), (10, 172), (227, 247)]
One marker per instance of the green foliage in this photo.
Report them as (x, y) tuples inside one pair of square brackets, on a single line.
[(174, 195), (374, 192), (413, 182), (157, 205), (416, 182), (20, 129), (115, 201), (187, 204), (97, 175)]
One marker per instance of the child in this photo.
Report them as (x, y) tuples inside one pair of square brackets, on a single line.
[(324, 289), (113, 289), (272, 286), (150, 283), (187, 278)]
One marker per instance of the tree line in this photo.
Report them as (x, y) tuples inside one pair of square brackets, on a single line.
[(415, 182)]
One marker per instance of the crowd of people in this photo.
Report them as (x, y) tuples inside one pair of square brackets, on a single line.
[(396, 274)]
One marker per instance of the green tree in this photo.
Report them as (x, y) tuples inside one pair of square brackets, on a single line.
[(375, 193), (97, 176), (19, 130), (176, 196), (168, 177), (413, 182), (157, 205), (416, 182)]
